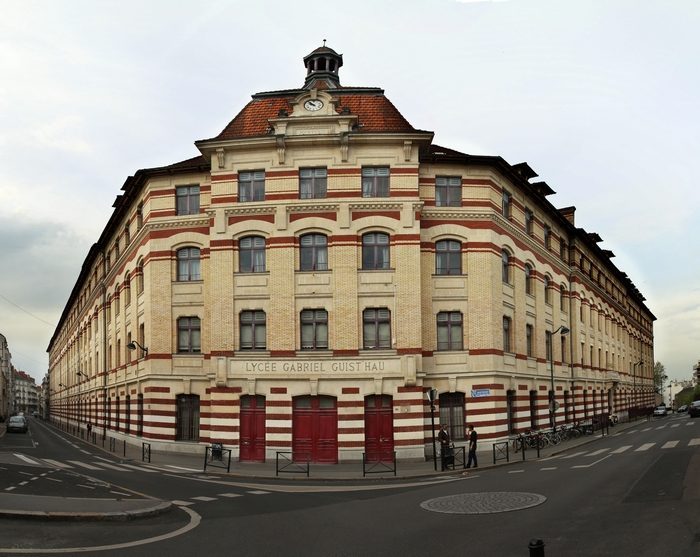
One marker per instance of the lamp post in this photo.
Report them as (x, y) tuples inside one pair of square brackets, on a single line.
[(432, 395), (563, 330)]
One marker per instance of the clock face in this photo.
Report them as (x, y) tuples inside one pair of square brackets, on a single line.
[(313, 105)]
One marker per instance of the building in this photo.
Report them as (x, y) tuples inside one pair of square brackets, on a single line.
[(6, 396), (25, 390), (302, 283)]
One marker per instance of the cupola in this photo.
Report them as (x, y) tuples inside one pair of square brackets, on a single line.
[(322, 67)]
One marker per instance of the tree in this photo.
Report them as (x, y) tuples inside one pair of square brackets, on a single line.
[(659, 377)]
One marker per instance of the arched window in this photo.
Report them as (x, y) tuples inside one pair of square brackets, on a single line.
[(529, 280), (251, 254), (505, 266), (188, 267), (139, 277), (448, 257), (375, 251), (547, 290), (313, 252), (562, 297)]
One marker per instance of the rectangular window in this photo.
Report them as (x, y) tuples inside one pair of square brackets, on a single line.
[(507, 345), (189, 335), (187, 200), (547, 237), (506, 204), (313, 252), (529, 339), (529, 222), (548, 345), (251, 254), (312, 183), (188, 264), (375, 181), (251, 186), (449, 331), (452, 414), (448, 191), (253, 330), (314, 329), (376, 328), (562, 250), (375, 251), (448, 257)]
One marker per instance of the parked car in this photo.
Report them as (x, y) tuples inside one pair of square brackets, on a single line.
[(694, 409), (17, 424), (682, 409), (660, 411)]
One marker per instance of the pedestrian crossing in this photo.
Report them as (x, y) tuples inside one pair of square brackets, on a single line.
[(206, 498), (92, 465)]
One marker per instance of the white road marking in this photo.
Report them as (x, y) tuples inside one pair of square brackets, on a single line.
[(258, 492), (9, 488), (86, 486), (182, 468), (139, 468), (644, 447), (669, 444), (121, 493), (84, 451), (621, 449), (84, 465), (646, 429), (111, 466), (23, 483), (57, 464), (599, 451), (592, 463), (690, 423), (692, 442), (54, 480), (548, 468), (182, 503), (632, 431), (574, 455), (516, 471), (204, 498), (660, 427), (230, 495), (675, 425), (26, 459)]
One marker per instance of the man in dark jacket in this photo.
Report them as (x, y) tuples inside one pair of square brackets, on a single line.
[(472, 447), (445, 450)]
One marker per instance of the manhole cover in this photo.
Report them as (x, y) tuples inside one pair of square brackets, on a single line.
[(483, 503)]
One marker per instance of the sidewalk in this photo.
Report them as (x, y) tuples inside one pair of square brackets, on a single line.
[(68, 508)]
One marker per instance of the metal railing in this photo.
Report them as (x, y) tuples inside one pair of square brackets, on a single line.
[(145, 452), (453, 457), (284, 464), (216, 453), (501, 451), (378, 466)]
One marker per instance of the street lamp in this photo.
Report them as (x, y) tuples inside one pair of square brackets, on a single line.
[(562, 330), (133, 345), (432, 395)]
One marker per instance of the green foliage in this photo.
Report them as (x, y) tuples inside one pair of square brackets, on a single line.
[(659, 377)]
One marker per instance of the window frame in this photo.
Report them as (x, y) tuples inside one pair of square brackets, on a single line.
[(450, 252), (453, 414), (376, 255), (505, 267), (375, 181), (316, 320), (507, 334), (252, 320), (192, 264), (506, 203), (191, 325), (529, 222), (529, 279), (448, 191), (316, 182), (451, 321), (187, 200), (252, 253), (251, 186), (379, 320), (314, 256)]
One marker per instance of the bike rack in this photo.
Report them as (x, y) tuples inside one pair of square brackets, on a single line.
[(501, 452), (216, 450)]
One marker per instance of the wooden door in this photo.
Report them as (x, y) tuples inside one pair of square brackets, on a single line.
[(315, 429), (379, 429), (252, 430)]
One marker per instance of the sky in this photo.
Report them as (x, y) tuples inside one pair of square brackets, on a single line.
[(599, 97)]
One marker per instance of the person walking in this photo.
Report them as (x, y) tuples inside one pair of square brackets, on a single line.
[(444, 438), (472, 447)]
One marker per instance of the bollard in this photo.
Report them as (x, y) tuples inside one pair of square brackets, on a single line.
[(536, 547)]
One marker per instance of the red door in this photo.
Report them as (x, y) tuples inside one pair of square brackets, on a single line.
[(252, 429), (315, 429), (379, 429)]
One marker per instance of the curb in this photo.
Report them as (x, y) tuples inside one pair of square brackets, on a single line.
[(152, 510)]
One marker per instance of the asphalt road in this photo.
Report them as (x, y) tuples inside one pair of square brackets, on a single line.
[(636, 492)]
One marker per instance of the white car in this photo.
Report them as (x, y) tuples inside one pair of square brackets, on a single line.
[(660, 411)]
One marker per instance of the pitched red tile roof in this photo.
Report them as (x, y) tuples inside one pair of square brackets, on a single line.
[(375, 113)]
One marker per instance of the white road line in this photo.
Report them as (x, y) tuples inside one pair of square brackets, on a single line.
[(121, 493), (204, 498), (644, 447), (660, 427), (675, 425), (56, 463), (26, 474), (690, 423), (546, 468), (84, 465), (84, 451), (621, 449), (692, 442), (26, 459), (632, 431), (592, 463), (182, 468), (669, 444), (230, 495), (139, 468), (258, 492), (111, 466), (9, 488), (23, 483), (86, 486), (599, 451), (54, 480), (182, 503), (574, 455), (646, 429)]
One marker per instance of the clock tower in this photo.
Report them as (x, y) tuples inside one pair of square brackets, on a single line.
[(322, 67)]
